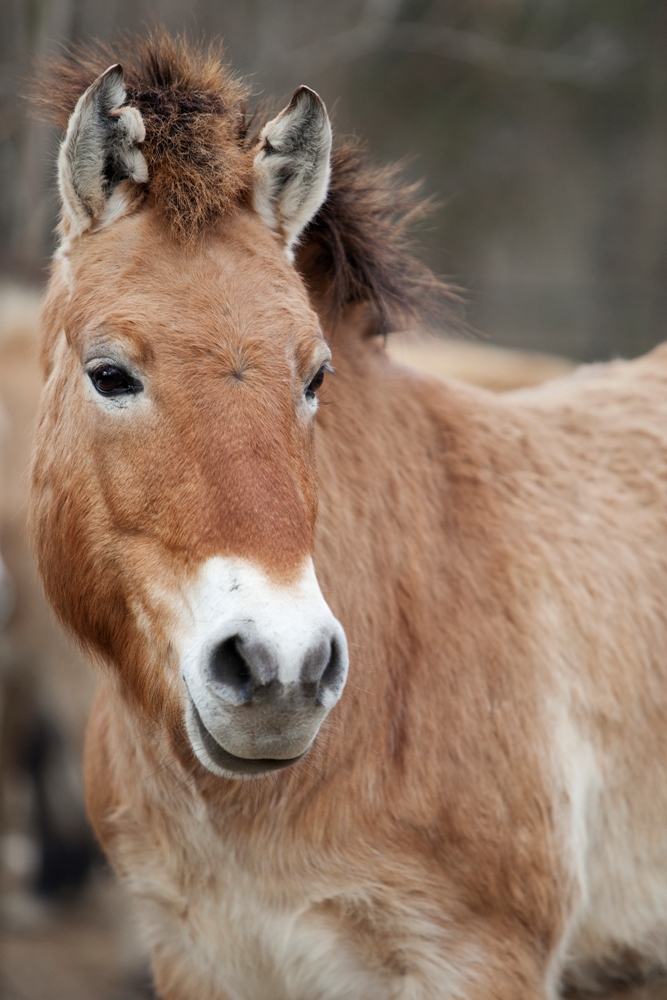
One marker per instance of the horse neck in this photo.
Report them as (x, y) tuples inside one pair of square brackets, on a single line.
[(381, 491)]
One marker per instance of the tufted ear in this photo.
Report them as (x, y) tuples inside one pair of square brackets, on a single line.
[(100, 163), (292, 165)]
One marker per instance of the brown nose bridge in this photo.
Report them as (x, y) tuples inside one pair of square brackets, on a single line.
[(257, 490)]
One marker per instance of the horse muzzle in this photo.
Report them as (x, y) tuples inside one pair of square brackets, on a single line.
[(263, 666)]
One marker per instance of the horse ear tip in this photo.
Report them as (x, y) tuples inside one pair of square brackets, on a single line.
[(306, 94), (112, 76)]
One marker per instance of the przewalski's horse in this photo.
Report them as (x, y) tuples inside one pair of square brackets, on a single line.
[(482, 812)]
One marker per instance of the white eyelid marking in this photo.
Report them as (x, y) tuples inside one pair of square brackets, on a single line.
[(93, 359), (323, 364)]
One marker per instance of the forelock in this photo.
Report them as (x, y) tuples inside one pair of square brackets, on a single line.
[(195, 114), (199, 152)]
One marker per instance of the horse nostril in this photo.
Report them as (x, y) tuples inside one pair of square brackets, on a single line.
[(228, 668), (333, 677)]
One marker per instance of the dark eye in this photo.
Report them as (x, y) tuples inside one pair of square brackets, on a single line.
[(111, 380), (315, 384)]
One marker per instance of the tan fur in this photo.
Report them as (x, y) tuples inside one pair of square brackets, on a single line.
[(482, 815)]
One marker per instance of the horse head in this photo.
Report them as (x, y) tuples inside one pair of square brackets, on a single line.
[(174, 477)]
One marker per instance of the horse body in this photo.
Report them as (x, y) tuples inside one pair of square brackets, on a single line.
[(480, 815)]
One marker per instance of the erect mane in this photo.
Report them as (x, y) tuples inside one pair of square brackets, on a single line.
[(358, 247), (194, 110), (199, 151)]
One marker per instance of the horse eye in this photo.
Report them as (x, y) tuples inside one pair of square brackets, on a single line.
[(315, 384), (110, 380)]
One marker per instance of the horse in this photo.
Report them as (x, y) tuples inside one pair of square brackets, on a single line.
[(382, 673)]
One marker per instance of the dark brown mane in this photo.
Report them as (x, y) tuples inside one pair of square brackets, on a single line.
[(199, 153), (358, 246), (194, 110)]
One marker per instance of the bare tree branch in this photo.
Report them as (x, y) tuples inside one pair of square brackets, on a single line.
[(592, 59), (603, 59)]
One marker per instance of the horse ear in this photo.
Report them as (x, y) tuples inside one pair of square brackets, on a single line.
[(292, 165), (100, 162)]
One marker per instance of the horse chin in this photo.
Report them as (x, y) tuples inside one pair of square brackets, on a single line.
[(210, 752)]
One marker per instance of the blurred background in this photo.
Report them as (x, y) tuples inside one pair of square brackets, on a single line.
[(541, 127)]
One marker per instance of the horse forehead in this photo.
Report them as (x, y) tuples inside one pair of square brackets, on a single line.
[(239, 253), (234, 282)]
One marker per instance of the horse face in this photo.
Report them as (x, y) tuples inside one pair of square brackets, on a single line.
[(174, 480)]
